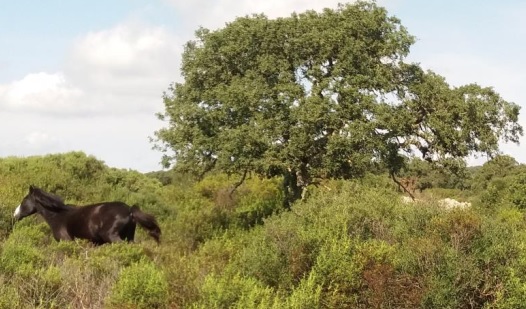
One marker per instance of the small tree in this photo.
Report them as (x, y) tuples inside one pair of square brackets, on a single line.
[(498, 167), (320, 95)]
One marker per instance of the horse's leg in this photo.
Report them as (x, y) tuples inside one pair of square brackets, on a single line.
[(61, 233), (114, 230), (128, 232), (111, 237)]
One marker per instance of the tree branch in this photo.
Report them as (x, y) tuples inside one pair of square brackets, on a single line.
[(401, 185), (239, 183), (207, 168)]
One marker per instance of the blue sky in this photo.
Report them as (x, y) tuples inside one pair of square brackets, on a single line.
[(78, 75)]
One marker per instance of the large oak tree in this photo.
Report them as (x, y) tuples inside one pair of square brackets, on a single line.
[(321, 95)]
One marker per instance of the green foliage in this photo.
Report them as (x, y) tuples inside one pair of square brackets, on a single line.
[(140, 285), (168, 177), (235, 292), (256, 200), (8, 296), (209, 207), (112, 257), (349, 244), (449, 174), (321, 95), (41, 290), (497, 168), (77, 178), (306, 295), (508, 188), (517, 191), (20, 253)]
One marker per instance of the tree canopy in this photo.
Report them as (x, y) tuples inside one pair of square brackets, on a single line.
[(321, 95)]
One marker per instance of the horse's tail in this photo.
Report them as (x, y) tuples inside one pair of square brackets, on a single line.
[(147, 221)]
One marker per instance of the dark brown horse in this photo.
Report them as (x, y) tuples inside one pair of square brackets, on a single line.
[(100, 223)]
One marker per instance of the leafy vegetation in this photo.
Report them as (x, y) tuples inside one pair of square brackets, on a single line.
[(317, 105), (351, 243), (321, 95)]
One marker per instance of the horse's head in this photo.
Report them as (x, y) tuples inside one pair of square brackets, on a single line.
[(28, 205), (34, 198)]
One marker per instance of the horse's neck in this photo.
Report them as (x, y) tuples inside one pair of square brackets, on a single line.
[(53, 219)]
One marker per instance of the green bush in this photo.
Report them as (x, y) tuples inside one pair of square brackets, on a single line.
[(264, 259), (339, 273), (21, 253), (257, 200), (233, 292), (308, 294), (110, 258), (348, 244), (140, 285), (517, 191), (254, 200), (42, 289), (9, 297)]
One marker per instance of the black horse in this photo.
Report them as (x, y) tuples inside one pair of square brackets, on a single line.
[(100, 223)]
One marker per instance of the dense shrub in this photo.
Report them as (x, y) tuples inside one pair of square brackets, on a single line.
[(140, 285), (20, 253), (9, 297), (112, 257), (348, 244), (234, 292)]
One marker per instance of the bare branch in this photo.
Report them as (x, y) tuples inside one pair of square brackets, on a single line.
[(239, 183), (401, 185)]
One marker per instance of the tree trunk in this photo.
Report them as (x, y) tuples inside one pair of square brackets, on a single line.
[(295, 183), (292, 191)]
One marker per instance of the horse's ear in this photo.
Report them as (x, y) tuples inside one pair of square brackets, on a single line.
[(31, 188)]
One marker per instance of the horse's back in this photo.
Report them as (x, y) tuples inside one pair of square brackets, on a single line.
[(96, 221), (104, 209)]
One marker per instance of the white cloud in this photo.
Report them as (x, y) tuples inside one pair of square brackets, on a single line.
[(27, 139), (130, 57), (119, 141), (38, 139), (462, 68), (103, 102), (120, 70), (126, 68), (40, 92)]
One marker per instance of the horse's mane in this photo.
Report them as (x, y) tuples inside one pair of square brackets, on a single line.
[(49, 200)]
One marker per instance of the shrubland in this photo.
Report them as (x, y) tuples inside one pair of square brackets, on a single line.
[(348, 244), (285, 139)]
